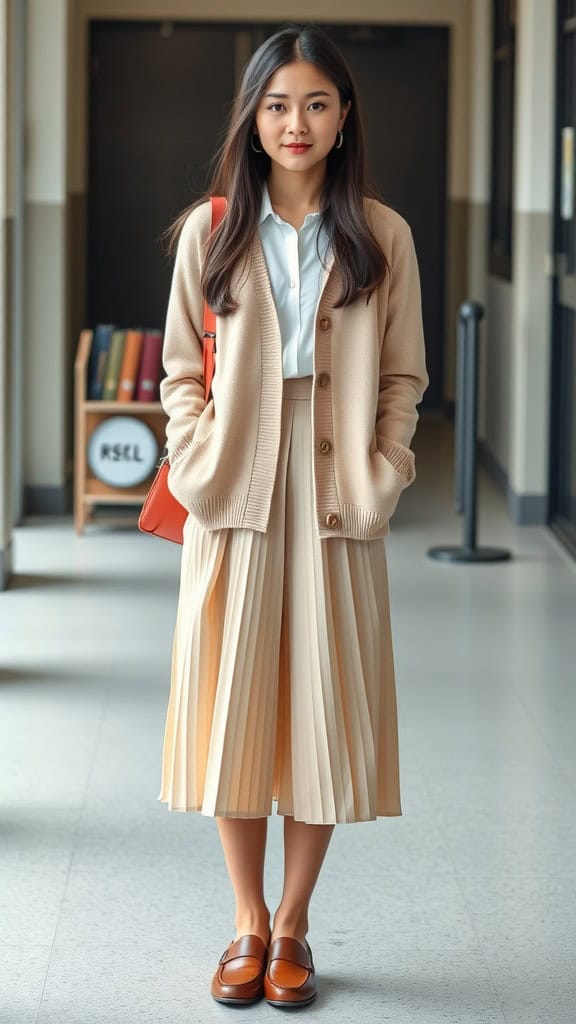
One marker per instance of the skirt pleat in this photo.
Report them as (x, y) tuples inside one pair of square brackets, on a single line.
[(282, 672)]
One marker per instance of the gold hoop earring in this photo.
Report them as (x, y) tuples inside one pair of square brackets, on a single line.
[(254, 135), (340, 140)]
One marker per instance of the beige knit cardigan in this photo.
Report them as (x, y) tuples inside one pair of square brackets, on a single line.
[(369, 376)]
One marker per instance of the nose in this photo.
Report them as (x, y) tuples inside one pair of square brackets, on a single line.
[(298, 123)]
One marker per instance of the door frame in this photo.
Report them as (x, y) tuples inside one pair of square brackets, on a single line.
[(563, 281)]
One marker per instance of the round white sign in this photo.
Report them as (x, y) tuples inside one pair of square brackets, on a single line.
[(122, 451)]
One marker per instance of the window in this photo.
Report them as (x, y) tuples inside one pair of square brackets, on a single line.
[(501, 208)]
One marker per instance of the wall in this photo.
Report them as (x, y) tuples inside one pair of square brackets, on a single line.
[(477, 223), (6, 551), (517, 336), (47, 423), (531, 301)]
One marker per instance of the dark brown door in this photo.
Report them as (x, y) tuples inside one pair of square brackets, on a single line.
[(159, 93), (401, 75), (159, 96)]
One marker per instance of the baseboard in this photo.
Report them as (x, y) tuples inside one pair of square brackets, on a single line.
[(51, 501), (523, 509)]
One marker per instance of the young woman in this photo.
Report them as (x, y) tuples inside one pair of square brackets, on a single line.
[(282, 682)]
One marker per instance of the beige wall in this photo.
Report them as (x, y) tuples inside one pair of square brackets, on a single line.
[(5, 320), (476, 228), (46, 270), (514, 401), (516, 387), (534, 175)]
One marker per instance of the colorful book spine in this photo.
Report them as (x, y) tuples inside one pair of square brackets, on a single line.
[(113, 363), (148, 383), (97, 362), (130, 364)]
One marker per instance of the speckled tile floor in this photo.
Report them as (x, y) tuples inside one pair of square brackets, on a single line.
[(462, 911)]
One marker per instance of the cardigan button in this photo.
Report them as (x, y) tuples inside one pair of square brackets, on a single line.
[(322, 379), (332, 520), (325, 323), (325, 445)]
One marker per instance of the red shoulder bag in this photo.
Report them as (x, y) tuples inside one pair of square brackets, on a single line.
[(161, 513)]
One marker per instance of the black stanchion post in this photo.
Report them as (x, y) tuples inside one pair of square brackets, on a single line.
[(472, 314), (466, 443), (459, 418)]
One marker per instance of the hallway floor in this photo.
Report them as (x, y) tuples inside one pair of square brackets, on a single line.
[(114, 910)]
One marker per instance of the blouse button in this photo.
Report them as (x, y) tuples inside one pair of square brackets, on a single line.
[(332, 520), (325, 445), (325, 323), (322, 379)]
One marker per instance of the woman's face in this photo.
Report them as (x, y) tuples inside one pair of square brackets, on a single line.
[(305, 109)]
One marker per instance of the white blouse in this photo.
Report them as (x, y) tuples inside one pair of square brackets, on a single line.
[(295, 274)]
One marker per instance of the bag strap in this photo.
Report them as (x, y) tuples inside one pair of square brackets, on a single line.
[(218, 209)]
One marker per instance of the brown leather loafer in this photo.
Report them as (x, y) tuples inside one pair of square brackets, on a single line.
[(239, 977), (290, 976)]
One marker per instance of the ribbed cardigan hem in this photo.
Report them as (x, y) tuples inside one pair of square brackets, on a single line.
[(360, 523), (223, 511)]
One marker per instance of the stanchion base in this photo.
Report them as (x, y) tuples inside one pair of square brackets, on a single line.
[(461, 554)]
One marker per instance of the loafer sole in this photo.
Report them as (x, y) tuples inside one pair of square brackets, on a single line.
[(229, 1001), (292, 1004)]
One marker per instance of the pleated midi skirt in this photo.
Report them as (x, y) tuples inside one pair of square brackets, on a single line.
[(282, 675)]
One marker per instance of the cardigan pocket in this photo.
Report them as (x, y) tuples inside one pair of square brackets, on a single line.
[(392, 469), (400, 457), (183, 465), (203, 428)]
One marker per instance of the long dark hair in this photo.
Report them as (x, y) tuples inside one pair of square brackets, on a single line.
[(239, 174)]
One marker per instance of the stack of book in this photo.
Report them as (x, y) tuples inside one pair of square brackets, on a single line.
[(124, 364)]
